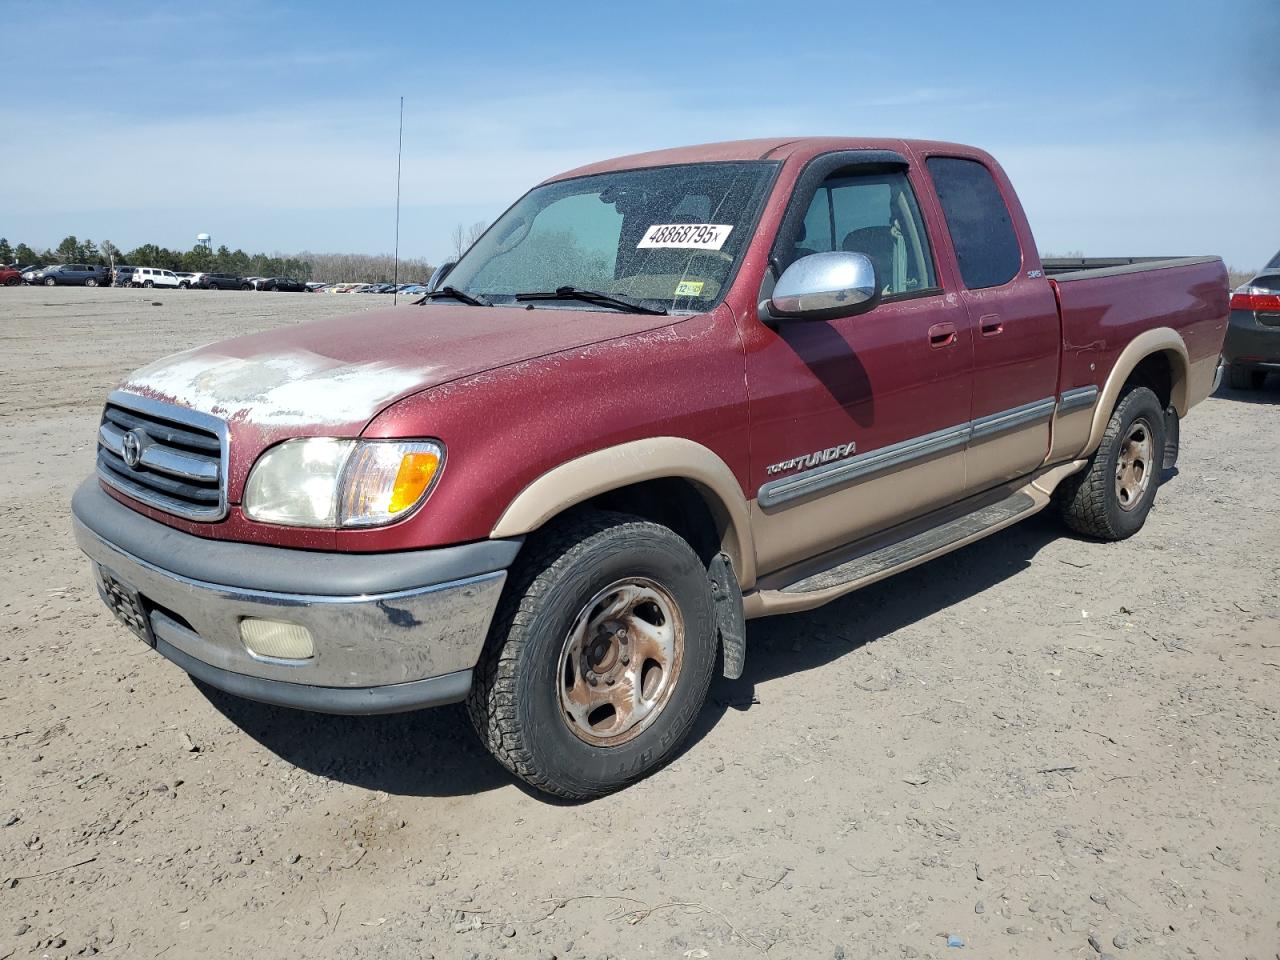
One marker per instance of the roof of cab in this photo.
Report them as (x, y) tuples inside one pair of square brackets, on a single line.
[(776, 148)]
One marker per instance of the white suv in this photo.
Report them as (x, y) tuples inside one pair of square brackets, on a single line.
[(153, 277)]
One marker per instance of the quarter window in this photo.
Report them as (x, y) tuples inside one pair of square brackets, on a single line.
[(981, 229), (875, 214)]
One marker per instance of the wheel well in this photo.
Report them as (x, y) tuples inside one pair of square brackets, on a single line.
[(1155, 372), (673, 502)]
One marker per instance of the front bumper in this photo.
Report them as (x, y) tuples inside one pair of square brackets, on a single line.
[(391, 632)]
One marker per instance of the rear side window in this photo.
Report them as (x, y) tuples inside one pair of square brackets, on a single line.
[(978, 221), (1274, 262)]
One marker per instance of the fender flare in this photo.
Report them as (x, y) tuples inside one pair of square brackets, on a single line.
[(653, 458), (1160, 340)]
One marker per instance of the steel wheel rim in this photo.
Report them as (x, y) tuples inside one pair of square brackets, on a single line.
[(1134, 466), (620, 662)]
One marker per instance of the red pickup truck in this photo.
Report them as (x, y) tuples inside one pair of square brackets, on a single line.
[(661, 395)]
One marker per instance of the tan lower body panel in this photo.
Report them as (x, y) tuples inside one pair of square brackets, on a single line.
[(1071, 432), (788, 534), (1200, 376), (996, 460), (1039, 488)]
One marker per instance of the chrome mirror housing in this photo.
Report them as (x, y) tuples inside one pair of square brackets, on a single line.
[(824, 286)]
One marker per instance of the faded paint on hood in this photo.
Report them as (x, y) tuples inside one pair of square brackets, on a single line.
[(335, 375)]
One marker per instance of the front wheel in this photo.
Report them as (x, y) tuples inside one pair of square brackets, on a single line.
[(599, 657), (246, 286), (11, 282), (1111, 497)]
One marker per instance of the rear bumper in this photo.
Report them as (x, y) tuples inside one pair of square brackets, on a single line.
[(1250, 343), (391, 632)]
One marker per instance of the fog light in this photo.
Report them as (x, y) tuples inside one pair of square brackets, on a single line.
[(276, 638)]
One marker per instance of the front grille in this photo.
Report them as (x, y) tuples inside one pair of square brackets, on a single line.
[(168, 457)]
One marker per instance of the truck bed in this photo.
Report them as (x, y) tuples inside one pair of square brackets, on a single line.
[(1105, 303), (1075, 268)]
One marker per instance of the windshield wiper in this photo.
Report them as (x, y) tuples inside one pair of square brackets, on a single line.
[(470, 299), (592, 297)]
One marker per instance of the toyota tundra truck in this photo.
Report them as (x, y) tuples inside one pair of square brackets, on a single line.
[(661, 395)]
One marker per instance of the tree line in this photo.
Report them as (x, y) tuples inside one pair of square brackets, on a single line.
[(329, 267)]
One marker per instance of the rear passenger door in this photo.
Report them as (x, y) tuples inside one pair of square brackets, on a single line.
[(1014, 315)]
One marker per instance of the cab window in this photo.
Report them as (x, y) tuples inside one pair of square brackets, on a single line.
[(875, 214)]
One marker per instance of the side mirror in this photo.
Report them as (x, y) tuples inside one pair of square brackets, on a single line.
[(440, 273), (825, 286)]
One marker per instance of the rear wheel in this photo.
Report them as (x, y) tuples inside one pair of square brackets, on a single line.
[(1111, 497), (599, 657), (1245, 378), (148, 283), (50, 282), (91, 282)]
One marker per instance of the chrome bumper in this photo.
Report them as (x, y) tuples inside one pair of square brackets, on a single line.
[(374, 652)]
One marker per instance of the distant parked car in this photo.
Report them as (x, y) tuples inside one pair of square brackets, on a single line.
[(9, 277), (184, 279), (315, 287), (222, 281), (153, 277), (71, 274), (1252, 347), (281, 285), (122, 275)]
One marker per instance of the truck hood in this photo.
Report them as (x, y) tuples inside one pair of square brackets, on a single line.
[(333, 376)]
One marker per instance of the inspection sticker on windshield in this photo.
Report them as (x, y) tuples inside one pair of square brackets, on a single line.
[(694, 236)]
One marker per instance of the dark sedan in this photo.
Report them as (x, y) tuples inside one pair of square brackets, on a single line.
[(1252, 347), (282, 285), (222, 281)]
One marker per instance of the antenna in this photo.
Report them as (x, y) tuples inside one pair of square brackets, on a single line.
[(395, 292)]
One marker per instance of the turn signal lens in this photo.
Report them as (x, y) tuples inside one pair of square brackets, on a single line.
[(385, 478), (417, 470)]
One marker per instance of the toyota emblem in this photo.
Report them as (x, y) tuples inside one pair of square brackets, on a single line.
[(131, 448)]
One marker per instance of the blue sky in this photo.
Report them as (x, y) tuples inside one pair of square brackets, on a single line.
[(1127, 127)]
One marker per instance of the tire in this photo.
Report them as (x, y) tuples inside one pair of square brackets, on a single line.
[(246, 286), (90, 282), (1245, 378), (148, 283), (184, 286), (50, 282), (1110, 499), (11, 282), (566, 577)]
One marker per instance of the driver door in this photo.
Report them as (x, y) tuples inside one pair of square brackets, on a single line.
[(858, 423)]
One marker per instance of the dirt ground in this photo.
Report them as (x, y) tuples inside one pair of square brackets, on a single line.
[(1039, 746)]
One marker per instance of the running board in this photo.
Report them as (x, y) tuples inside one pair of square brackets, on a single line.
[(929, 541), (889, 554)]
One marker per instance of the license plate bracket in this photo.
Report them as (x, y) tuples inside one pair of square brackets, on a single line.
[(127, 605)]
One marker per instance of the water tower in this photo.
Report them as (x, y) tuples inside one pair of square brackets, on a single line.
[(205, 241)]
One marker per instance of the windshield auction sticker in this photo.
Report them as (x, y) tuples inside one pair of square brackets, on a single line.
[(688, 236)]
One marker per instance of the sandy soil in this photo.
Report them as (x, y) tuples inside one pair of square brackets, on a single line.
[(1042, 746)]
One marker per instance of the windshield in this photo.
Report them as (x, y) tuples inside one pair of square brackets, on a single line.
[(665, 237)]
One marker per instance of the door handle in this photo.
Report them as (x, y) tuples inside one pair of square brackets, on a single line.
[(991, 325), (942, 335)]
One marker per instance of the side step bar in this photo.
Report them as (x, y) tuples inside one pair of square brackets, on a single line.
[(910, 545), (929, 541)]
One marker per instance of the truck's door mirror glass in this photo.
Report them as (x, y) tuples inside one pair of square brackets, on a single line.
[(825, 286)]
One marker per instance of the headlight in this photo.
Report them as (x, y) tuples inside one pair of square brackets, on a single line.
[(321, 482)]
